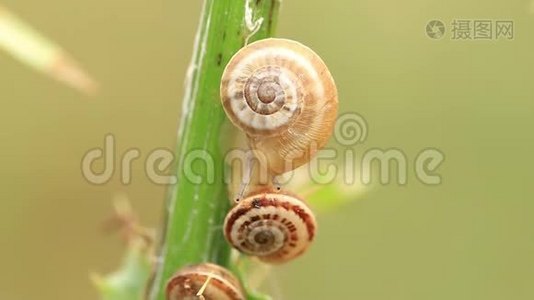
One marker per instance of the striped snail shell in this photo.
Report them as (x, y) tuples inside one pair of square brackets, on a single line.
[(281, 94), (218, 284), (274, 226)]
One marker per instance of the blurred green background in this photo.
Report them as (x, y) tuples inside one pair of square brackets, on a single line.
[(472, 237)]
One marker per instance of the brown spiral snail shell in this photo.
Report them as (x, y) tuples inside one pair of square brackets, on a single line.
[(281, 94), (274, 226), (204, 281)]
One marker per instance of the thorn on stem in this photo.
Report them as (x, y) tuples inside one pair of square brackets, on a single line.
[(200, 293)]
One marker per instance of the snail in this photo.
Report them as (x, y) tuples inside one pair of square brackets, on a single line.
[(204, 281), (274, 226), (282, 96)]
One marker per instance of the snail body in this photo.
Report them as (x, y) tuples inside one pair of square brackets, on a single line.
[(204, 281), (282, 96), (274, 226)]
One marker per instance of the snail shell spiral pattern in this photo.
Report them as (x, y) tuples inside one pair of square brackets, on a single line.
[(275, 227), (281, 94), (187, 282)]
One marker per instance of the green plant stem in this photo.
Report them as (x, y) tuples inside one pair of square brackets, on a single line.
[(196, 210)]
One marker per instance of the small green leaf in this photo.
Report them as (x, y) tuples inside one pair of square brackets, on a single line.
[(130, 280)]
